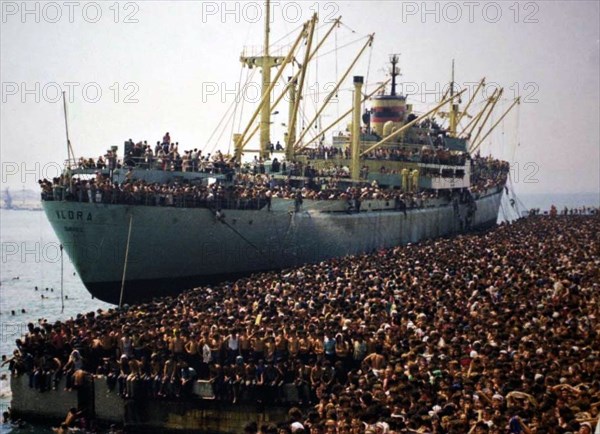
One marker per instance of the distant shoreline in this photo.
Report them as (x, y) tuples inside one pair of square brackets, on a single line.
[(34, 207)]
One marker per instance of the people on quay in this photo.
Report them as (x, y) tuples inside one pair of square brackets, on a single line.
[(494, 332)]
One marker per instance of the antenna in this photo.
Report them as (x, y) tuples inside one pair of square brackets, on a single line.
[(452, 80), (395, 72)]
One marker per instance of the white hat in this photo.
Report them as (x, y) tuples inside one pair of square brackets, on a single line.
[(296, 426)]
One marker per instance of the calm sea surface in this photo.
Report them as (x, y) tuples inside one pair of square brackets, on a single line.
[(30, 258)]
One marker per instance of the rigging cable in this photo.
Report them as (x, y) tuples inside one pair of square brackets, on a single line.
[(336, 69), (513, 149), (516, 143), (341, 47), (248, 78), (348, 27), (232, 105), (367, 78), (317, 81), (287, 35), (223, 129), (235, 110), (205, 147), (222, 220)]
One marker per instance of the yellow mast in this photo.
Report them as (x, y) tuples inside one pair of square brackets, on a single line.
[(246, 137), (355, 163), (265, 99), (453, 115), (266, 62)]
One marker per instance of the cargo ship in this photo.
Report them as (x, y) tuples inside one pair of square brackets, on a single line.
[(156, 222)]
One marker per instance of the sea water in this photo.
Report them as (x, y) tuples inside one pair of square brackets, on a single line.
[(31, 257)]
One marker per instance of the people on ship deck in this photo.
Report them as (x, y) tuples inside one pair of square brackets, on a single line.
[(255, 189)]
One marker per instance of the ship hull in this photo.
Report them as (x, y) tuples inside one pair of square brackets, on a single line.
[(172, 249)]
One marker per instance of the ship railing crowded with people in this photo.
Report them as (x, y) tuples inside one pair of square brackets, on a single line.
[(425, 155), (398, 340), (239, 197), (194, 161), (218, 164), (254, 185), (187, 195)]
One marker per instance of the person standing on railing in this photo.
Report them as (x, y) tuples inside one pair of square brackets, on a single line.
[(194, 159), (146, 156), (298, 201), (268, 197)]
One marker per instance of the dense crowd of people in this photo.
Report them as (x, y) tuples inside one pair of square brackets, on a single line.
[(247, 192), (487, 172), (253, 188), (496, 332), (166, 156), (424, 155)]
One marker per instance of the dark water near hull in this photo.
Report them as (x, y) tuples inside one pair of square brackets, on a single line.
[(31, 257)]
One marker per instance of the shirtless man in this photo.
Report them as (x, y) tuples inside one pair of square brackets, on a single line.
[(281, 346), (245, 345), (258, 346), (317, 345), (270, 349), (293, 345), (374, 361), (192, 352), (177, 344), (304, 347)]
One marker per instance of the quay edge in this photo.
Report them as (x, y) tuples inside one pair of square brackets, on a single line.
[(148, 416)]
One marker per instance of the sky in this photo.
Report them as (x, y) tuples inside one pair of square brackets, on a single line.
[(139, 69)]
